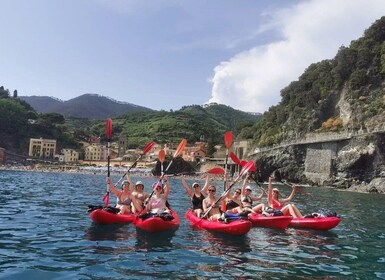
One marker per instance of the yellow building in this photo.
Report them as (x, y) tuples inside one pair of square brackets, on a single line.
[(92, 152), (42, 148), (69, 155)]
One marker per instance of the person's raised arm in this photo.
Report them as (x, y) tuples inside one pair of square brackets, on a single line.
[(186, 187), (291, 196), (131, 187), (255, 198), (207, 184), (244, 184), (270, 192), (114, 190), (166, 188)]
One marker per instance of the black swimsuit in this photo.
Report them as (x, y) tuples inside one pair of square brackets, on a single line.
[(231, 205), (197, 202)]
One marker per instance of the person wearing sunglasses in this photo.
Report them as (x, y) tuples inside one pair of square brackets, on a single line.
[(196, 195), (124, 196), (233, 202), (157, 203), (247, 199), (140, 196), (279, 203), (211, 206)]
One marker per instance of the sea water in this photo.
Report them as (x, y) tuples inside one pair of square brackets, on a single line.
[(46, 233)]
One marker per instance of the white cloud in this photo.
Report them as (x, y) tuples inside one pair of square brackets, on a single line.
[(312, 31)]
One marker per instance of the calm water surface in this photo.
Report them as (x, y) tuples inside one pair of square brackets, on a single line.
[(46, 233)]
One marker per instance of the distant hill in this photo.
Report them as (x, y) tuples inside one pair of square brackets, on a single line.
[(192, 122), (89, 106)]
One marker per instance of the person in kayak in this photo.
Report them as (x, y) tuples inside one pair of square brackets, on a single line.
[(140, 196), (233, 202), (157, 203), (279, 203), (196, 195), (124, 197), (210, 206), (247, 199)]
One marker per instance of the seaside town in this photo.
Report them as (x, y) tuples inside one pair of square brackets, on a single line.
[(43, 155)]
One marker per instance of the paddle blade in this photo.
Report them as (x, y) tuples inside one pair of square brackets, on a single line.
[(216, 171), (109, 128), (235, 158), (253, 168), (243, 163), (246, 168), (180, 148), (162, 155), (228, 139), (148, 147)]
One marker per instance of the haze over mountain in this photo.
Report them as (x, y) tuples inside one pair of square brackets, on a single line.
[(89, 106)]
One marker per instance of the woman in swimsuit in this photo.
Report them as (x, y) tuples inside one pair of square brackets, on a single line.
[(140, 196), (210, 205), (196, 195), (124, 197), (157, 203), (233, 202), (247, 199), (279, 203)]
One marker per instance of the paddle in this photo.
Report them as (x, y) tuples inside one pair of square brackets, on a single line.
[(178, 151), (146, 149), (228, 141), (106, 197), (161, 157), (243, 171), (252, 169)]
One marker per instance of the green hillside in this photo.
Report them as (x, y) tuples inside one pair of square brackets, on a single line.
[(344, 93)]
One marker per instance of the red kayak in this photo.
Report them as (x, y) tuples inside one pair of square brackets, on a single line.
[(235, 227), (157, 224), (281, 222), (101, 216), (317, 223)]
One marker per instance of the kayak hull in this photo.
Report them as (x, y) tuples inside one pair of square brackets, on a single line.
[(317, 223), (237, 227), (280, 222), (100, 216), (157, 224)]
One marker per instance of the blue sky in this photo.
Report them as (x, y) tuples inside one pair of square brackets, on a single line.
[(164, 54)]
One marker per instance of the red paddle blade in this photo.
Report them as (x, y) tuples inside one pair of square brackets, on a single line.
[(243, 162), (180, 148), (162, 155), (246, 168), (216, 171), (253, 168), (148, 147), (235, 158), (228, 139), (109, 128)]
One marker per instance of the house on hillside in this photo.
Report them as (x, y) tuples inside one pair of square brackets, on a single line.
[(42, 148)]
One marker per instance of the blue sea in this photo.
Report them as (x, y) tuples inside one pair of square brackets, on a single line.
[(46, 233)]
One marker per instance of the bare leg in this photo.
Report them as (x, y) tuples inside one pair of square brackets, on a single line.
[(258, 208)]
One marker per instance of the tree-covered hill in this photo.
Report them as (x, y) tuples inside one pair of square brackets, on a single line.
[(343, 93), (191, 122), (89, 106), (19, 122)]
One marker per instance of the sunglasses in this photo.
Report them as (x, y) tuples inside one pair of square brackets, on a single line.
[(196, 186), (158, 188), (211, 190), (238, 192)]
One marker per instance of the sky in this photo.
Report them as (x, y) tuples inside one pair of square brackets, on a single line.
[(165, 54)]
